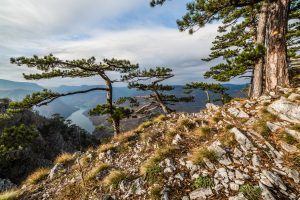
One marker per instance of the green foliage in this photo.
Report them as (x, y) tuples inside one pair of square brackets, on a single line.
[(118, 113), (203, 182), (251, 192), (150, 80), (17, 138)]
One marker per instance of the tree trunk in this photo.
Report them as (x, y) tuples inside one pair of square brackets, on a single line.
[(276, 65), (208, 97), (164, 108), (260, 40), (116, 126)]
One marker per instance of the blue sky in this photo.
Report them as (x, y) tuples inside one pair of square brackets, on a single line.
[(127, 29)]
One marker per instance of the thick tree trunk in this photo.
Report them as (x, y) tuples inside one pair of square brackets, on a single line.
[(276, 65), (260, 40), (164, 108)]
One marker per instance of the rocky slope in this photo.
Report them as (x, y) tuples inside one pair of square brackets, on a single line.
[(243, 150)]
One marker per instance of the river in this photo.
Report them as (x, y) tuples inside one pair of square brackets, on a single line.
[(81, 120)]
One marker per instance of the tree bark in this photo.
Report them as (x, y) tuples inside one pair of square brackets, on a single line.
[(208, 97), (164, 108), (260, 40), (276, 65)]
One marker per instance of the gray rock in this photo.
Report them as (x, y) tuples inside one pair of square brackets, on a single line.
[(185, 198), (255, 160), (209, 164), (233, 186), (273, 127), (237, 153), (238, 113), (165, 193), (176, 139), (216, 146), (266, 194), (201, 193), (242, 139), (285, 110), (180, 176), (294, 97), (56, 170), (240, 196), (6, 185), (274, 179)]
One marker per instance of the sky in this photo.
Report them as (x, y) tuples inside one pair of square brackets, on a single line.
[(123, 29)]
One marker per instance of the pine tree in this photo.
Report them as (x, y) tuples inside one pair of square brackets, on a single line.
[(245, 42), (209, 87), (151, 80), (53, 67)]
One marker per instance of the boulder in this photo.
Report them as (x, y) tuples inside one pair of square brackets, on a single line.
[(285, 110)]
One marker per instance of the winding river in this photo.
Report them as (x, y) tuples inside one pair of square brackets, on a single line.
[(81, 120)]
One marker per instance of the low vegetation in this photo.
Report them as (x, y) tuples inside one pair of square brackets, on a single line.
[(154, 192), (296, 127), (37, 176), (10, 195), (288, 138), (203, 182), (227, 139), (198, 154), (186, 123), (96, 170), (114, 178), (266, 115), (262, 128), (64, 158), (106, 147), (204, 132), (251, 192)]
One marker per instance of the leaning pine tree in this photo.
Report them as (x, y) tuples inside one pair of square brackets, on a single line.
[(53, 67), (151, 80)]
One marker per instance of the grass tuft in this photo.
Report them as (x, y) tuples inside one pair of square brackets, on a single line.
[(262, 128), (10, 195), (204, 132), (267, 116), (199, 154), (114, 178), (154, 192), (106, 147), (125, 137), (37, 176), (160, 118), (186, 123), (64, 158), (288, 138), (228, 139), (96, 170), (251, 192), (203, 182)]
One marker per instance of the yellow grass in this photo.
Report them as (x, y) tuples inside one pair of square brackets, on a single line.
[(10, 195), (96, 170), (37, 176), (114, 178), (198, 154), (64, 158)]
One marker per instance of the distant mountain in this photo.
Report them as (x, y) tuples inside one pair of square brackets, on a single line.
[(16, 91)]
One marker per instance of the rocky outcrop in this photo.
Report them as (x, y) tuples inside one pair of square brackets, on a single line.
[(286, 110)]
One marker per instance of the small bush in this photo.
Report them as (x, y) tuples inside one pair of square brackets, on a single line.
[(154, 192), (296, 127), (106, 147), (37, 176), (288, 138), (203, 182), (96, 170), (266, 115), (64, 158), (186, 123), (251, 192), (199, 154), (204, 133), (262, 128), (10, 195), (114, 178), (150, 166)]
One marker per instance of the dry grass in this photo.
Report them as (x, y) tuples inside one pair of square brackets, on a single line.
[(215, 119), (64, 158), (185, 123), (96, 170), (150, 166), (288, 138), (160, 118), (296, 127), (154, 192), (10, 195), (114, 178), (227, 139), (262, 128), (198, 154), (267, 116), (204, 132), (125, 137), (145, 125), (169, 136), (37, 176), (106, 147)]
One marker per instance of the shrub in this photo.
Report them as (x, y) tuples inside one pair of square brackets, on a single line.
[(64, 158), (186, 123), (154, 192), (204, 132), (203, 182), (288, 138), (251, 192), (10, 195), (38, 176), (262, 128), (114, 178), (96, 170), (199, 154), (106, 147), (150, 166)]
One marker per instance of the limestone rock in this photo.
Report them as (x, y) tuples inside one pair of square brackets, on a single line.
[(285, 110), (201, 193), (56, 170), (242, 139), (238, 113)]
